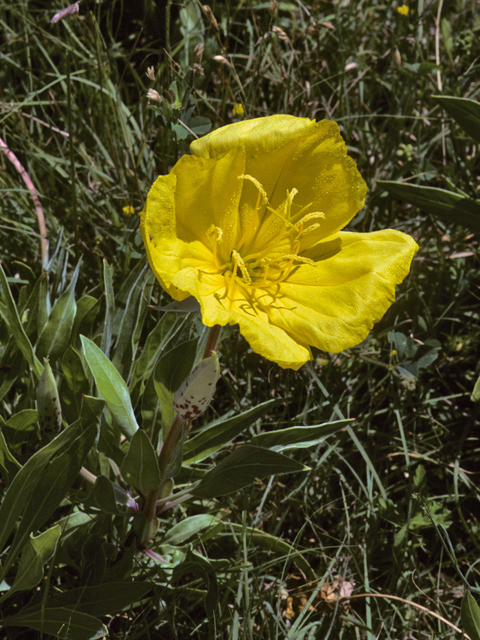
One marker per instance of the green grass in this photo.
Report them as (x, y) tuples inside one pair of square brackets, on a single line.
[(372, 506)]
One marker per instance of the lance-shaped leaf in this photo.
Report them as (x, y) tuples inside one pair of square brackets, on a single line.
[(298, 437), (101, 600), (27, 478), (470, 616), (63, 623), (56, 333), (241, 468), (16, 326), (450, 207), (465, 112), (192, 526), (8, 463), (35, 554), (140, 466), (51, 487), (276, 545), (111, 387), (222, 431), (110, 310)]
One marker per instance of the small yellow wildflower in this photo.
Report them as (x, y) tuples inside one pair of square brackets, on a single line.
[(403, 10), (128, 211), (251, 225), (238, 110)]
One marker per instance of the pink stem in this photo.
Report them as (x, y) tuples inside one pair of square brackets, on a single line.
[(33, 192)]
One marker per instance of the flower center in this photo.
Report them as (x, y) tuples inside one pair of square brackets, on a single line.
[(268, 247)]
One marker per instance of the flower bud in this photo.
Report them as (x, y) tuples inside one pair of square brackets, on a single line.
[(196, 391), (48, 401), (397, 59), (154, 95), (198, 52), (221, 59), (210, 16), (280, 33)]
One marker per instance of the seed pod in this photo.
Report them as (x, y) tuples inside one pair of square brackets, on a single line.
[(48, 401), (197, 390)]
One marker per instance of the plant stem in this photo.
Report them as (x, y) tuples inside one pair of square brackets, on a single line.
[(169, 445), (33, 192), (212, 340)]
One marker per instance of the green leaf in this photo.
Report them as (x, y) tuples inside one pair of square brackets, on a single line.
[(241, 468), (87, 310), (35, 554), (171, 370), (204, 570), (156, 341), (111, 387), (175, 465), (51, 486), (24, 483), (191, 526), (470, 616), (8, 464), (15, 367), (140, 466), (21, 427), (223, 431), (105, 497), (23, 420), (465, 112), (123, 355), (277, 545), (31, 306), (298, 437), (176, 364), (476, 391), (16, 327), (66, 624), (199, 125), (75, 383), (104, 599), (151, 409), (449, 206), (165, 398), (55, 335), (110, 311)]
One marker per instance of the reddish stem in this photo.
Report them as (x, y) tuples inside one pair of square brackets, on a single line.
[(33, 192), (212, 340)]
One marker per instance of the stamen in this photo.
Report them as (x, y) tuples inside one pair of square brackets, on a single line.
[(270, 265), (306, 231), (241, 265), (216, 233), (312, 216), (258, 184)]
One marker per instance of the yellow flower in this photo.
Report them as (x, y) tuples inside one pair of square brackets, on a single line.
[(250, 225), (238, 110), (403, 10), (128, 210)]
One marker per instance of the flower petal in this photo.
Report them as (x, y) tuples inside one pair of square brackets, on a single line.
[(258, 136), (248, 308), (183, 206), (208, 193), (334, 304), (285, 153)]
